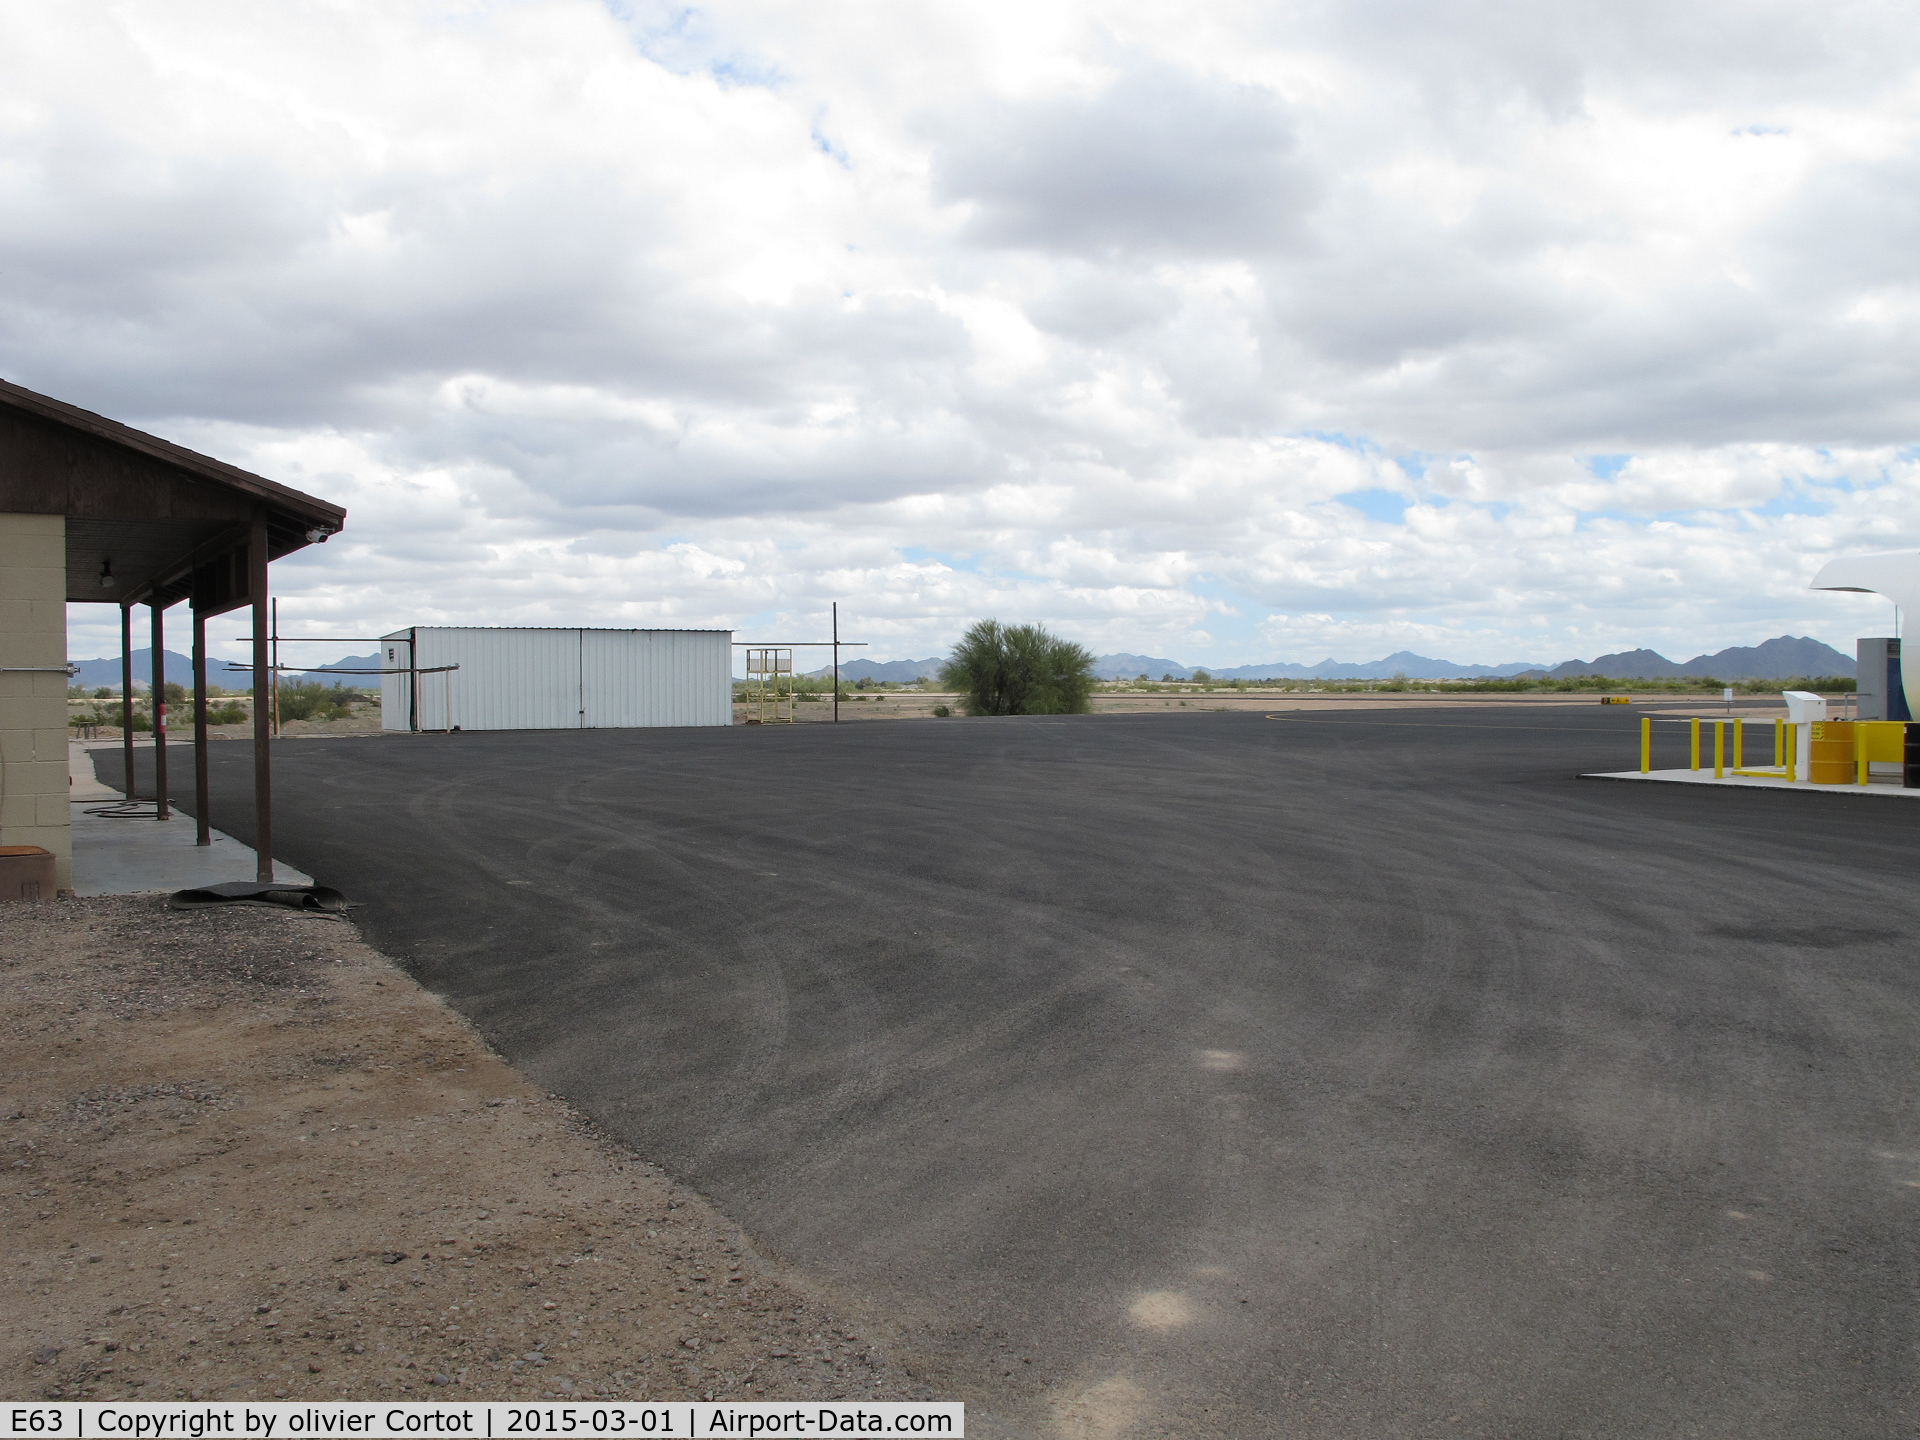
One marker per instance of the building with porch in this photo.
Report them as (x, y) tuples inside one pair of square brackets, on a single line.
[(96, 512)]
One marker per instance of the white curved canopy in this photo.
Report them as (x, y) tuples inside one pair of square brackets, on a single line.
[(1896, 576)]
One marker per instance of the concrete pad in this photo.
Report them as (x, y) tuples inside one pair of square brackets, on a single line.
[(83, 782), (1878, 787), (147, 856)]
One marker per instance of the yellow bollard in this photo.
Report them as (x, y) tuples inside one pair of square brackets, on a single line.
[(1646, 744), (1719, 749), (1792, 749), (1860, 752), (1739, 747), (1779, 754), (1693, 729)]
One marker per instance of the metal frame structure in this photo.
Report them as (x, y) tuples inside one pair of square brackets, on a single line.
[(836, 644), (770, 680), (278, 669), (1869, 742), (445, 672)]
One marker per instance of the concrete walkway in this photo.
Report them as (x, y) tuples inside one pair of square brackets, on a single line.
[(1879, 787), (145, 856)]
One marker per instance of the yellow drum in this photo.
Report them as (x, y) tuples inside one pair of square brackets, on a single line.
[(1830, 759)]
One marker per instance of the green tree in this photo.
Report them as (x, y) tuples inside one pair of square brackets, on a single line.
[(1019, 670)]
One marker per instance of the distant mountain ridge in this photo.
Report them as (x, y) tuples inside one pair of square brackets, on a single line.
[(1401, 662), (901, 671), (1129, 667), (356, 662), (106, 671), (1778, 659)]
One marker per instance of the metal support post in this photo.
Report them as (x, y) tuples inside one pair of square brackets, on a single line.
[(836, 662), (1693, 741), (1793, 751), (1719, 749), (126, 691), (1646, 744), (202, 827), (262, 704), (158, 612)]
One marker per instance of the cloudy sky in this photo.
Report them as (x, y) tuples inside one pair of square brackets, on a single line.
[(1222, 331)]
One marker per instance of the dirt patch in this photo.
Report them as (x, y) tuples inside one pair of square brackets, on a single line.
[(244, 1156)]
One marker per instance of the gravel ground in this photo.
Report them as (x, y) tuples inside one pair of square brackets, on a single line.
[(243, 1156)]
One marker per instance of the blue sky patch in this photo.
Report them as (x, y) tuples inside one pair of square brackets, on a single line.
[(921, 555), (832, 150), (1345, 441), (1787, 503), (1389, 507)]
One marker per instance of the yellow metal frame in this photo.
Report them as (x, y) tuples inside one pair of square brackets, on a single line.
[(1882, 740), (1784, 753), (770, 682), (1740, 753), (1874, 741)]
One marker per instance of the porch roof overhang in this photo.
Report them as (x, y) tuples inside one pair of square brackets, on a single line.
[(170, 523)]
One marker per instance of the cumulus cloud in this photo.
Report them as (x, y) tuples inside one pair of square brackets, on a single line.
[(1221, 331), (1158, 161)]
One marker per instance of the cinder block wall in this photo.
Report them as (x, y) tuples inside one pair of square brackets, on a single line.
[(33, 708)]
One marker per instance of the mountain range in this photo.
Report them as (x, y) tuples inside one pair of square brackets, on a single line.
[(106, 671), (1778, 659), (1401, 662), (902, 671)]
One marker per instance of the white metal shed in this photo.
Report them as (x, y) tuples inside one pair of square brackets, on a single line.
[(552, 679)]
